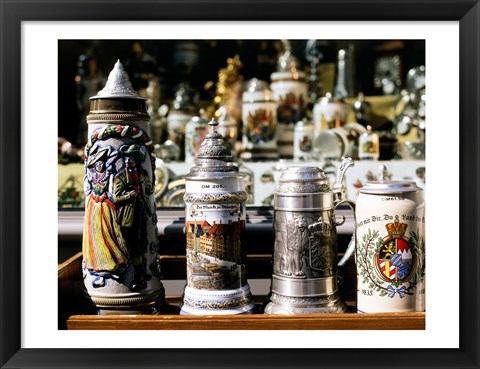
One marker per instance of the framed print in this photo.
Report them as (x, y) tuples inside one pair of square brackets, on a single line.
[(30, 89)]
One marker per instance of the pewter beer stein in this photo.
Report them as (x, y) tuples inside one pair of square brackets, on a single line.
[(390, 252), (121, 265), (304, 263), (214, 225)]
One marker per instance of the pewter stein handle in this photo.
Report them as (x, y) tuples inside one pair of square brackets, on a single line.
[(351, 246), (338, 187), (338, 198)]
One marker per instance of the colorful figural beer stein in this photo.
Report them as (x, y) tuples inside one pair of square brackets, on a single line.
[(120, 247), (390, 251), (215, 224), (304, 264)]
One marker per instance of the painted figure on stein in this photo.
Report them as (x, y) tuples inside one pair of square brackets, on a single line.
[(120, 246)]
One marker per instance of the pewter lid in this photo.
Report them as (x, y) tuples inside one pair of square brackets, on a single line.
[(213, 155), (287, 62), (255, 85), (118, 85), (385, 186), (302, 180), (184, 99), (303, 174), (118, 102), (327, 99)]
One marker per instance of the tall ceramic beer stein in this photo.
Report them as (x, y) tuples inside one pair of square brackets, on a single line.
[(290, 90), (120, 248), (390, 252), (215, 224), (259, 113), (305, 256)]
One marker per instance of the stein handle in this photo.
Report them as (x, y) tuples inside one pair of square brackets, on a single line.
[(353, 241), (338, 186)]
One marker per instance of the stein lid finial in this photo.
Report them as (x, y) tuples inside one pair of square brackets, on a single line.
[(214, 155), (118, 84), (213, 130), (382, 175), (385, 185), (118, 102)]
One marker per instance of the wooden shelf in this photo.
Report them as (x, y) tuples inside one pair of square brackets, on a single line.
[(76, 314), (350, 321)]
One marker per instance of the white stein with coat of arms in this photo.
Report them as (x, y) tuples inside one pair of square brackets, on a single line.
[(259, 114), (390, 250)]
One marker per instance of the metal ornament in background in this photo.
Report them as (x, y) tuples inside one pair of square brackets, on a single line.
[(387, 74), (290, 90), (226, 106), (259, 111), (390, 249), (215, 224), (362, 109), (344, 81), (410, 114), (121, 264), (304, 263), (314, 56)]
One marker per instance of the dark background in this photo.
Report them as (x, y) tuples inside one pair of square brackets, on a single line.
[(257, 56)]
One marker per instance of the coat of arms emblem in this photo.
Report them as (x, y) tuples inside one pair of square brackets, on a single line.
[(394, 260)]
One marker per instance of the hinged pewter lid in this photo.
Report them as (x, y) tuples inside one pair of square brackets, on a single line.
[(288, 66), (385, 186), (298, 179), (213, 155), (117, 101)]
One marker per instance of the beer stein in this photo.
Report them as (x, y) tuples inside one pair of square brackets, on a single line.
[(390, 252), (259, 113), (195, 132), (121, 264), (304, 262), (328, 113), (215, 224), (290, 91)]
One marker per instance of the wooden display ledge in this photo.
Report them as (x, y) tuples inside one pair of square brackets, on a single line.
[(75, 315), (351, 321)]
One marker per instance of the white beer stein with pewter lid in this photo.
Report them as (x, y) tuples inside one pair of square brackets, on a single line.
[(390, 250)]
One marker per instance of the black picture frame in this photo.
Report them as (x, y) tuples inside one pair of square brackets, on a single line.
[(467, 12)]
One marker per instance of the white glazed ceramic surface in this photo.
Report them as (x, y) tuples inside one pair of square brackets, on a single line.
[(261, 132), (369, 146), (177, 122), (194, 136), (390, 252), (303, 142), (280, 91), (324, 115)]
